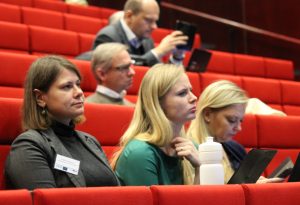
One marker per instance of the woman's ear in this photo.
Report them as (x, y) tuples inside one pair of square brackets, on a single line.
[(207, 114), (39, 97)]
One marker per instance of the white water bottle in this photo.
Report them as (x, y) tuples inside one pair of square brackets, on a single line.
[(211, 169)]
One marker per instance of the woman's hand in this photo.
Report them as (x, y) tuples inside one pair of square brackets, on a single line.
[(185, 148), (264, 180)]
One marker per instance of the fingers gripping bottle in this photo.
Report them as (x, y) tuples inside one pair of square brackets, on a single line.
[(211, 169)]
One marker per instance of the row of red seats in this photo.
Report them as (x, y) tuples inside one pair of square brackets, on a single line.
[(258, 131), (245, 194), (247, 65), (21, 38), (280, 94), (51, 19), (91, 11)]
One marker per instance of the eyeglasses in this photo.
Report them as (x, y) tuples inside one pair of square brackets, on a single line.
[(125, 68)]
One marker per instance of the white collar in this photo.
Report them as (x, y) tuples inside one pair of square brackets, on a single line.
[(109, 92)]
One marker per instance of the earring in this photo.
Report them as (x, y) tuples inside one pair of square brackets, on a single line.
[(44, 111)]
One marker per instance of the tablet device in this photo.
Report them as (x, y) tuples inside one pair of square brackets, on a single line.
[(252, 166), (199, 60), (295, 175), (187, 29), (284, 169)]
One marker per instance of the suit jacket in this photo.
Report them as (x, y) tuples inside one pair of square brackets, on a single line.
[(115, 33), (33, 152)]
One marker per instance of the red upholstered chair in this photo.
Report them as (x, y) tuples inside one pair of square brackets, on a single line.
[(248, 136), (195, 195), (53, 41), (280, 69), (274, 193), (221, 62), (15, 197), (85, 42), (291, 110), (106, 12), (195, 81), (140, 71), (249, 65), (208, 78), (10, 13), (106, 122), (91, 11), (83, 24), (88, 83), (10, 128), (42, 17), (51, 5), (159, 33), (289, 92), (14, 37), (267, 90), (278, 132), (128, 195), (28, 3), (14, 68)]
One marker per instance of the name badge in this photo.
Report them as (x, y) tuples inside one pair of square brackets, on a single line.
[(66, 164)]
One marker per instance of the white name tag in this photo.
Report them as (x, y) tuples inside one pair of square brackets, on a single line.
[(66, 164)]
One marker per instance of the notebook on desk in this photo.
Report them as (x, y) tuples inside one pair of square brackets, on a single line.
[(252, 166), (198, 61)]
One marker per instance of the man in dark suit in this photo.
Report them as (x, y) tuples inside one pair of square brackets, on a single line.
[(134, 30)]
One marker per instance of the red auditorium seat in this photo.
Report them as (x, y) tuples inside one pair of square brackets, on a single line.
[(280, 69), (91, 11), (208, 78), (88, 83), (51, 5), (249, 65), (140, 71), (128, 195), (278, 132), (84, 24), (10, 13), (13, 71), (14, 37), (85, 42), (290, 96), (107, 123), (267, 90), (42, 17), (195, 195), (53, 41), (248, 136), (28, 3), (15, 197), (10, 128), (274, 193), (221, 62)]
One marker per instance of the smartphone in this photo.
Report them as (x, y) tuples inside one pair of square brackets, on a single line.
[(189, 30)]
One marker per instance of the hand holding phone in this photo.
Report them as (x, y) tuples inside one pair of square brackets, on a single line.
[(189, 30)]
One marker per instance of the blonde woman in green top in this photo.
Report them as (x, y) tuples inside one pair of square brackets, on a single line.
[(154, 149)]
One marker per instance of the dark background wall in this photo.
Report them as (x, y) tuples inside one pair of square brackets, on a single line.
[(282, 17)]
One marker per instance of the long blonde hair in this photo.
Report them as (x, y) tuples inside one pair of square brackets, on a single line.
[(149, 122), (217, 95)]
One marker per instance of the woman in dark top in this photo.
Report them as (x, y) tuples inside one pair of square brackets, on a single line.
[(51, 153), (220, 112)]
